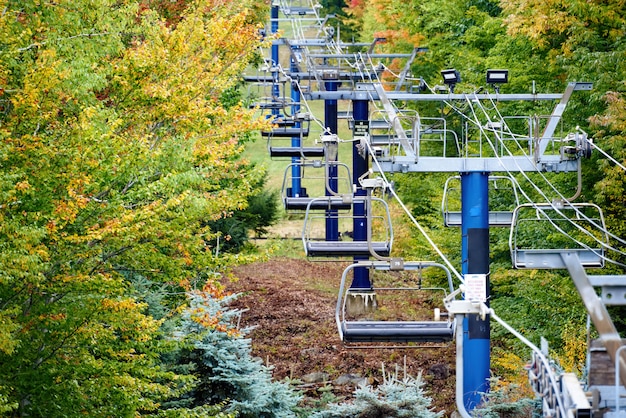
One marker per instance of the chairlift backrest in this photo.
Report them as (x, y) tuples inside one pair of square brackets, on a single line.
[(503, 199)]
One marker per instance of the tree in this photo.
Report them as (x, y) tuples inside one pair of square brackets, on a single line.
[(221, 357), (234, 231), (395, 397), (544, 44), (579, 40), (115, 152), (609, 189)]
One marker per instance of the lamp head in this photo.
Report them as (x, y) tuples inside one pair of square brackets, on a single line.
[(497, 76), (451, 77)]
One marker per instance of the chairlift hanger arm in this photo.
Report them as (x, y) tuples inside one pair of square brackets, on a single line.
[(558, 111), (596, 309)]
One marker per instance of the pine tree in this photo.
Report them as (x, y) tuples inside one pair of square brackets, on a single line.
[(395, 398), (224, 366)]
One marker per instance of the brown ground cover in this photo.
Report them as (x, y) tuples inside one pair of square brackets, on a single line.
[(291, 304)]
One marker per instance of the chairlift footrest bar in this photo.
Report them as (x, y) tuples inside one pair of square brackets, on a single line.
[(345, 248), (296, 152)]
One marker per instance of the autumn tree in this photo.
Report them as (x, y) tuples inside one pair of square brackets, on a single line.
[(115, 153), (584, 41)]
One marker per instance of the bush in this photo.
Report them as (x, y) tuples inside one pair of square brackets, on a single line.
[(503, 402), (394, 398)]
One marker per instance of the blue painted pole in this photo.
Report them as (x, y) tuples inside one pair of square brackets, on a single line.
[(296, 169), (275, 55), (360, 113), (330, 120), (475, 269)]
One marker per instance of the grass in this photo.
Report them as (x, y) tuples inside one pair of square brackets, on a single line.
[(257, 150)]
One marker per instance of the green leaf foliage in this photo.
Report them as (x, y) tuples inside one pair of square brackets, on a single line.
[(116, 149), (544, 45)]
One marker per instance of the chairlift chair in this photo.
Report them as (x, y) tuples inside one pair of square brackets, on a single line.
[(433, 137), (382, 131), (402, 331), (288, 127), (313, 175), (501, 187), (280, 139), (269, 103), (378, 221), (540, 233)]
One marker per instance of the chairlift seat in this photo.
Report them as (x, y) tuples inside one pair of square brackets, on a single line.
[(496, 218), (380, 124), (273, 105), (283, 122), (344, 114), (298, 10), (387, 139), (286, 132), (397, 331), (304, 202)]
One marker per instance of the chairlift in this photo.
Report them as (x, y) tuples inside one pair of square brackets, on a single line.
[(315, 175), (280, 138), (426, 136), (284, 126), (405, 288), (377, 218), (503, 198), (540, 233), (270, 103)]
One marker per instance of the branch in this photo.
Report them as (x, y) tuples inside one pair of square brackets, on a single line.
[(41, 360), (80, 35)]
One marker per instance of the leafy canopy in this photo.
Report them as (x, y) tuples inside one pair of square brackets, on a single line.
[(115, 152)]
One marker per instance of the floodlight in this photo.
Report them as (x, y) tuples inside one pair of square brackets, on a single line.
[(497, 76), (451, 77)]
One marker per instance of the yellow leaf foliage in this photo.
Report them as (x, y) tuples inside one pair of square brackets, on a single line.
[(510, 368)]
